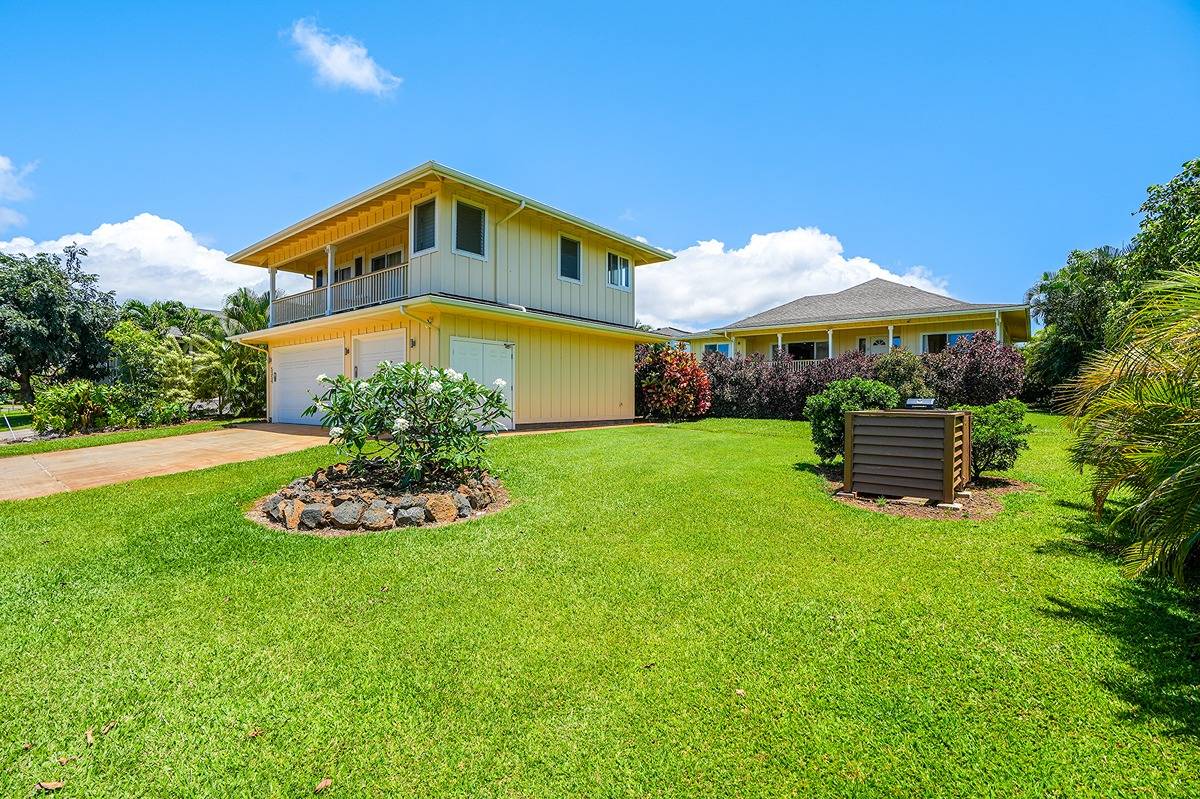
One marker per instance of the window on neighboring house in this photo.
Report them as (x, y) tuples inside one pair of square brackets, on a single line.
[(724, 348), (936, 342), (470, 228), (803, 350), (424, 226), (619, 274), (896, 343), (387, 260), (570, 259)]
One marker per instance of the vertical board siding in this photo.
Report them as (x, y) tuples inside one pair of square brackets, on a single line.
[(560, 376)]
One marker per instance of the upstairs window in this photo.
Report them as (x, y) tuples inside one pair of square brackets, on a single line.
[(320, 278), (620, 276), (470, 228), (424, 232), (570, 259), (358, 265), (387, 260), (341, 273)]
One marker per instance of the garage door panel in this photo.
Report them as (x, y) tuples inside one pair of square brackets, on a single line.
[(294, 371), (370, 351)]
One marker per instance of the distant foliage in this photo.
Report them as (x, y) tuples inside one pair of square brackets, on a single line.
[(998, 434), (903, 371), (670, 383), (755, 388), (975, 371), (82, 406), (827, 411)]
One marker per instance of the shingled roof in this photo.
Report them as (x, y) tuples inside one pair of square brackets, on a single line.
[(874, 299), (673, 332)]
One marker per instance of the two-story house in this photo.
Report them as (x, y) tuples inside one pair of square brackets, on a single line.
[(442, 268)]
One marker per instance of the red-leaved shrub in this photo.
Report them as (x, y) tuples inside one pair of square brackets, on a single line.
[(977, 371), (755, 388), (670, 383)]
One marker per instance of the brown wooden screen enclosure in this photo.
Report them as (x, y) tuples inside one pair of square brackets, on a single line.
[(908, 453)]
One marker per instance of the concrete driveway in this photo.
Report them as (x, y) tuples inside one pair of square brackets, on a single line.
[(27, 476)]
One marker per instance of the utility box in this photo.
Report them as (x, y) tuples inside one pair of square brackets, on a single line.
[(908, 453)]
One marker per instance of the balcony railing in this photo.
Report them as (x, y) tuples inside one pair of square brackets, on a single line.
[(373, 288)]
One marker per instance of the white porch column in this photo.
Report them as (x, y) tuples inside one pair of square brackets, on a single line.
[(778, 345), (271, 297), (999, 330), (891, 336), (330, 254), (829, 337)]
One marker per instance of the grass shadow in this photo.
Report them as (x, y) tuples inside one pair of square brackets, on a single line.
[(1157, 631)]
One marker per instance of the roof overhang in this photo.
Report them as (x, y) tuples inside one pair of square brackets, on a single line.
[(857, 322), (643, 252), (438, 303)]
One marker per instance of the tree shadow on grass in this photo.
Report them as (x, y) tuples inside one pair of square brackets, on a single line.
[(1155, 625), (1155, 628)]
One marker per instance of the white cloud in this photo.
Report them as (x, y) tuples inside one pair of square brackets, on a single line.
[(708, 285), (149, 258), (12, 187), (10, 218), (341, 60)]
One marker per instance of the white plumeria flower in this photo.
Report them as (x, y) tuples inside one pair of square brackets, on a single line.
[(400, 425), (321, 378), (499, 383), (435, 387), (335, 434), (453, 376)]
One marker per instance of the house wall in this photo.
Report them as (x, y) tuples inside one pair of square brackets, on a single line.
[(845, 339), (560, 376), (521, 263)]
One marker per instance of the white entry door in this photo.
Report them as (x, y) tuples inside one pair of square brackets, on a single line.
[(486, 361), (370, 350), (874, 345), (294, 373)]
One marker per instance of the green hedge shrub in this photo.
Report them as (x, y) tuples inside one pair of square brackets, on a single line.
[(998, 434), (827, 411), (903, 371)]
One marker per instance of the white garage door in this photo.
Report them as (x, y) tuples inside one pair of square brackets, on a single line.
[(370, 350), (295, 371), (485, 361)]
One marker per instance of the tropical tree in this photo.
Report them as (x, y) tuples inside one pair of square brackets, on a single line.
[(1137, 425), (233, 374), (160, 316), (53, 319)]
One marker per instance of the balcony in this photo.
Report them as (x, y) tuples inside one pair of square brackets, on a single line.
[(373, 288)]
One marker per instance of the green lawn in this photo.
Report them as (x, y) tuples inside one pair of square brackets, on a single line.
[(664, 611), (117, 437)]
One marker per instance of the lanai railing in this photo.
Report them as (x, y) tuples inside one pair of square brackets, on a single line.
[(372, 288)]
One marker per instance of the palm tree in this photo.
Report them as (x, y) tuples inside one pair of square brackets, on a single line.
[(1137, 409)]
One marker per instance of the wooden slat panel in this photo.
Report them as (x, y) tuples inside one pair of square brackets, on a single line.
[(933, 472), (905, 432), (897, 441), (901, 481), (893, 491), (925, 420), (872, 449), (897, 461)]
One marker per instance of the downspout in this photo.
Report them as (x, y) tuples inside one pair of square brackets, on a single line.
[(496, 260)]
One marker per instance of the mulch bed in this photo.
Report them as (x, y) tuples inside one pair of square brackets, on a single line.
[(983, 503), (336, 502)]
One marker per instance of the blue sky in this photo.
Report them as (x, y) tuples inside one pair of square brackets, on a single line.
[(955, 145)]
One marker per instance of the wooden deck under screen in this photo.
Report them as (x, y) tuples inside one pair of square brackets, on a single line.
[(908, 453)]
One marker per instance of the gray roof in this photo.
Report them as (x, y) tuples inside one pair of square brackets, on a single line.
[(673, 332), (871, 300)]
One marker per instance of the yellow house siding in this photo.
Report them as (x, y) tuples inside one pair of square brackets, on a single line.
[(560, 376)]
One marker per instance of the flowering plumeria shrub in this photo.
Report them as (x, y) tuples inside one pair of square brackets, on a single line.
[(425, 424)]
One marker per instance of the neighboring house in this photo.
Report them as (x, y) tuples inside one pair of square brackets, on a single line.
[(441, 268), (675, 335), (871, 317)]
